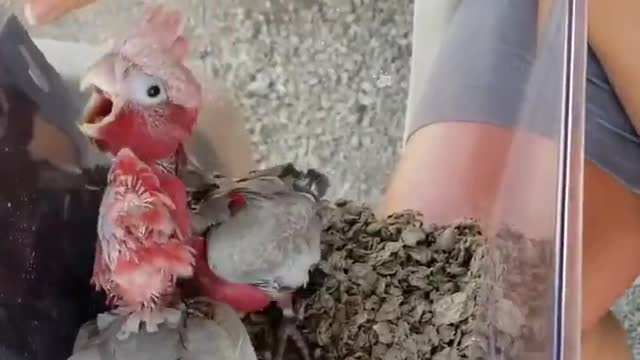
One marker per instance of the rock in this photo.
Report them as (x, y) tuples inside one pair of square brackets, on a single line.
[(447, 239), (452, 309), (412, 236)]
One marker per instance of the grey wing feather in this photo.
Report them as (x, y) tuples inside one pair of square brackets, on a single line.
[(268, 242), (274, 171), (312, 182), (214, 209), (274, 240), (211, 211), (264, 186), (273, 180)]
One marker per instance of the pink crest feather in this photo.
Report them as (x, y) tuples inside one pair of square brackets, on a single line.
[(164, 27), (158, 46)]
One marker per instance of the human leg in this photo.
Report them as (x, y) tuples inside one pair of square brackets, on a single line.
[(452, 169), (221, 140), (447, 184)]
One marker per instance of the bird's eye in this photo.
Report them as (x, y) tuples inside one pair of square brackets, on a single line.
[(147, 89), (154, 91)]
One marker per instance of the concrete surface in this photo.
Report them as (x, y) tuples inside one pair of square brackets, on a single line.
[(321, 82)]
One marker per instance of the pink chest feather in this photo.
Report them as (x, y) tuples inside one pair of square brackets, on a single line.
[(151, 136), (147, 273)]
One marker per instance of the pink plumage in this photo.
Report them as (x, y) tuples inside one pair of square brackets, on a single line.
[(144, 96), (142, 227)]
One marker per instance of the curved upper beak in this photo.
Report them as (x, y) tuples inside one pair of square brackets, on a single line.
[(101, 75), (102, 80)]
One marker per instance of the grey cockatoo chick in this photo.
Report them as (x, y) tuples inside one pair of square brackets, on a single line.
[(206, 331), (263, 238)]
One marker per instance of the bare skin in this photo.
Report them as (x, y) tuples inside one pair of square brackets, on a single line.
[(221, 130), (611, 211), (292, 314), (606, 341), (610, 215), (39, 12)]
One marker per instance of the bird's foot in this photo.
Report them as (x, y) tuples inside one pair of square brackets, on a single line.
[(201, 307), (130, 326), (289, 330), (163, 315)]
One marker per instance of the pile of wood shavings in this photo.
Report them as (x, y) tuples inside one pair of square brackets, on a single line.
[(393, 289), (517, 298), (388, 289)]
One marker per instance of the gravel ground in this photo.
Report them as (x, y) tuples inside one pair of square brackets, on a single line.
[(320, 83), (323, 83)]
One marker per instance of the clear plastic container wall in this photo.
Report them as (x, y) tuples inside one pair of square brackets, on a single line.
[(325, 84)]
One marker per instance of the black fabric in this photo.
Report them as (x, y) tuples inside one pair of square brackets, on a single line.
[(21, 62), (49, 227)]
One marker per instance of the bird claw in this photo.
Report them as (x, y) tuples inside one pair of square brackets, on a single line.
[(151, 318), (167, 315), (130, 326), (201, 307), (289, 329)]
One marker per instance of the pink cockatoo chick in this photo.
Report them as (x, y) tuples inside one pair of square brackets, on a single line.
[(265, 237), (143, 95), (142, 247)]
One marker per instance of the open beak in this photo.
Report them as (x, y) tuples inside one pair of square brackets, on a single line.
[(102, 82)]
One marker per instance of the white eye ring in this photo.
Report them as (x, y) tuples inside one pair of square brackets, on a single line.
[(147, 89)]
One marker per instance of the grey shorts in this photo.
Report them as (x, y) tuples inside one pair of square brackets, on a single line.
[(480, 73)]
